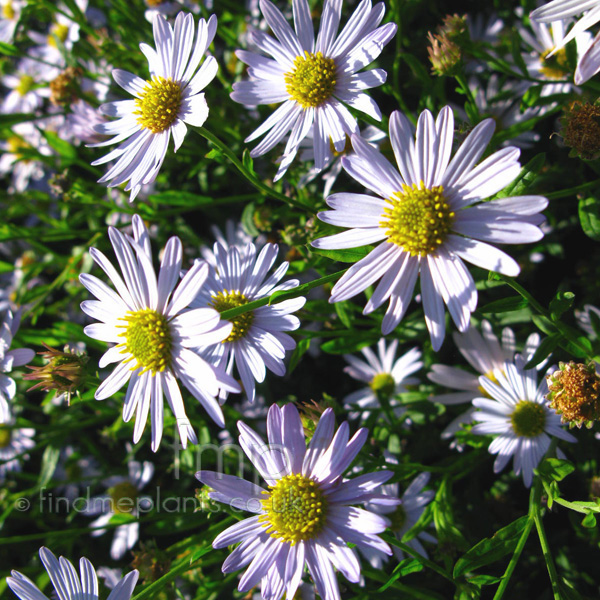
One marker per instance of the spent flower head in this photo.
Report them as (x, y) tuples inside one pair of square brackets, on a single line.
[(574, 393)]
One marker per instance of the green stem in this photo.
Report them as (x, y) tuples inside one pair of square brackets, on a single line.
[(572, 191), (257, 183), (466, 91), (280, 296)]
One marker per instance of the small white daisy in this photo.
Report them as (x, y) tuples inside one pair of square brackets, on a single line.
[(258, 340), (80, 124), (564, 10), (10, 13), (404, 516), (162, 106), (313, 79), (28, 87), (154, 333), (383, 374), (543, 62), (68, 585), (122, 497), (518, 414), (307, 515), (235, 235), (10, 358), (429, 219)]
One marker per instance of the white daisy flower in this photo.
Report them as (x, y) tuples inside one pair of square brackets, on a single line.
[(383, 374), (68, 585), (14, 442), (25, 172), (518, 414), (564, 10), (370, 134), (313, 79), (486, 354), (258, 340), (306, 515), (404, 516), (10, 358), (545, 64), (80, 123), (162, 106), (122, 497), (147, 320), (10, 13), (428, 218), (28, 87)]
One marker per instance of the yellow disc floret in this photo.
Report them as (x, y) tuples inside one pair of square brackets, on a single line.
[(159, 104), (296, 509), (226, 300), (148, 338), (418, 218), (528, 419), (556, 66), (5, 436), (8, 12), (312, 80), (383, 383), (123, 497), (58, 32)]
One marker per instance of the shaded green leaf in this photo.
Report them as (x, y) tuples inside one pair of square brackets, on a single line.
[(348, 255), (504, 305), (589, 217)]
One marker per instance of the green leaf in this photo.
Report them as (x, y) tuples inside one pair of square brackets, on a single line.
[(405, 567), (247, 220), (526, 177), (589, 520), (9, 49), (15, 118), (341, 309), (299, 351), (490, 550), (247, 161), (348, 255), (485, 580), (180, 199), (544, 324), (589, 216), (49, 461), (504, 305), (62, 148), (343, 345), (561, 303), (554, 469)]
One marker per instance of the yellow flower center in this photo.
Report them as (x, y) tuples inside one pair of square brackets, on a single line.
[(8, 12), (384, 384), (159, 105), (489, 375), (418, 218), (296, 509), (16, 145), (123, 497), (556, 66), (528, 419), (148, 338), (58, 32), (313, 79), (397, 518), (5, 436), (25, 84), (347, 147), (241, 324)]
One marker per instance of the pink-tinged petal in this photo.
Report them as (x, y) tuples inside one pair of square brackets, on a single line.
[(483, 255), (239, 532), (188, 288), (114, 382), (359, 489), (262, 562), (321, 571), (433, 307), (319, 442)]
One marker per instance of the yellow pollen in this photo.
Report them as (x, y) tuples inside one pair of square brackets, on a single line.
[(312, 80), (296, 509), (5, 436), (556, 66), (58, 32), (8, 12), (148, 338), (159, 105), (123, 497), (16, 144), (26, 83), (384, 384), (528, 419), (417, 219), (226, 300)]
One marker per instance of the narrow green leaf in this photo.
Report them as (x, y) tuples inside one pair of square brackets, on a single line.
[(405, 567), (561, 303), (49, 461), (504, 305), (9, 49), (546, 347), (342, 312), (348, 255), (490, 550), (13, 119), (589, 520), (554, 469)]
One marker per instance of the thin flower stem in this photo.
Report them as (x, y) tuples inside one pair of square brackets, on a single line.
[(466, 91), (554, 578), (257, 183), (572, 191), (280, 296)]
